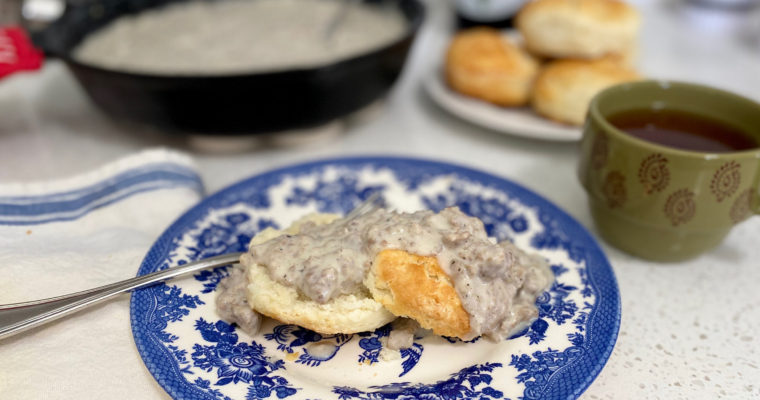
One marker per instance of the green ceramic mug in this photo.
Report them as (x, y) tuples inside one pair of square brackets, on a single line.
[(663, 203)]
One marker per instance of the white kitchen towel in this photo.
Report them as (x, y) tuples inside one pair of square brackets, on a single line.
[(77, 233)]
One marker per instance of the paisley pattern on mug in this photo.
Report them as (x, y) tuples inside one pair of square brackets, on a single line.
[(680, 207), (654, 174), (725, 181)]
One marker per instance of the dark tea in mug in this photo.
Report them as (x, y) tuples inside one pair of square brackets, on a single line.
[(683, 130)]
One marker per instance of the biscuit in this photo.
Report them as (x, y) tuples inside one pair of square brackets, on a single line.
[(579, 28), (482, 63), (355, 312), (416, 287), (564, 88)]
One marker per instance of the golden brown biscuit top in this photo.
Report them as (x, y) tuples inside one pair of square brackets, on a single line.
[(416, 287), (485, 49)]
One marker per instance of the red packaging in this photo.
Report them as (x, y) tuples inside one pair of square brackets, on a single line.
[(17, 52)]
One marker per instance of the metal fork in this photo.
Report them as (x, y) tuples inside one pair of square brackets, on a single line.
[(18, 317)]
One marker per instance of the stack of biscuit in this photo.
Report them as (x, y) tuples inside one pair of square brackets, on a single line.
[(568, 51)]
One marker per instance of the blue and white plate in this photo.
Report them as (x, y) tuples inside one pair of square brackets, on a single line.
[(195, 355)]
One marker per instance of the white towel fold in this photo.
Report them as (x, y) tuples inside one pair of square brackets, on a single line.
[(74, 234)]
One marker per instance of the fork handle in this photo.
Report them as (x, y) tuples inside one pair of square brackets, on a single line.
[(18, 317)]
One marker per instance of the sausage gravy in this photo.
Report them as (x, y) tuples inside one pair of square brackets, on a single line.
[(496, 282)]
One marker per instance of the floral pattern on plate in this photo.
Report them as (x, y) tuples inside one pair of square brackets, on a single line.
[(195, 355)]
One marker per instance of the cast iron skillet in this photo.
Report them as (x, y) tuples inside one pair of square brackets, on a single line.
[(227, 104)]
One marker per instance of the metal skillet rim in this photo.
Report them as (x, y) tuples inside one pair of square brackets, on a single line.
[(413, 25)]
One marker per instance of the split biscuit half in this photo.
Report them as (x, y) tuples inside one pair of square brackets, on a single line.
[(416, 287), (351, 313)]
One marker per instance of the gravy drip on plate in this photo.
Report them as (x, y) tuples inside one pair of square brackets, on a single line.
[(231, 303), (239, 36), (497, 283)]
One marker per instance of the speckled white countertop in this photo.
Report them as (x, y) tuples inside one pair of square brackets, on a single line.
[(689, 330)]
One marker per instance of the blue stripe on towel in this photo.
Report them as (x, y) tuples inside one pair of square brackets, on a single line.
[(68, 205)]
